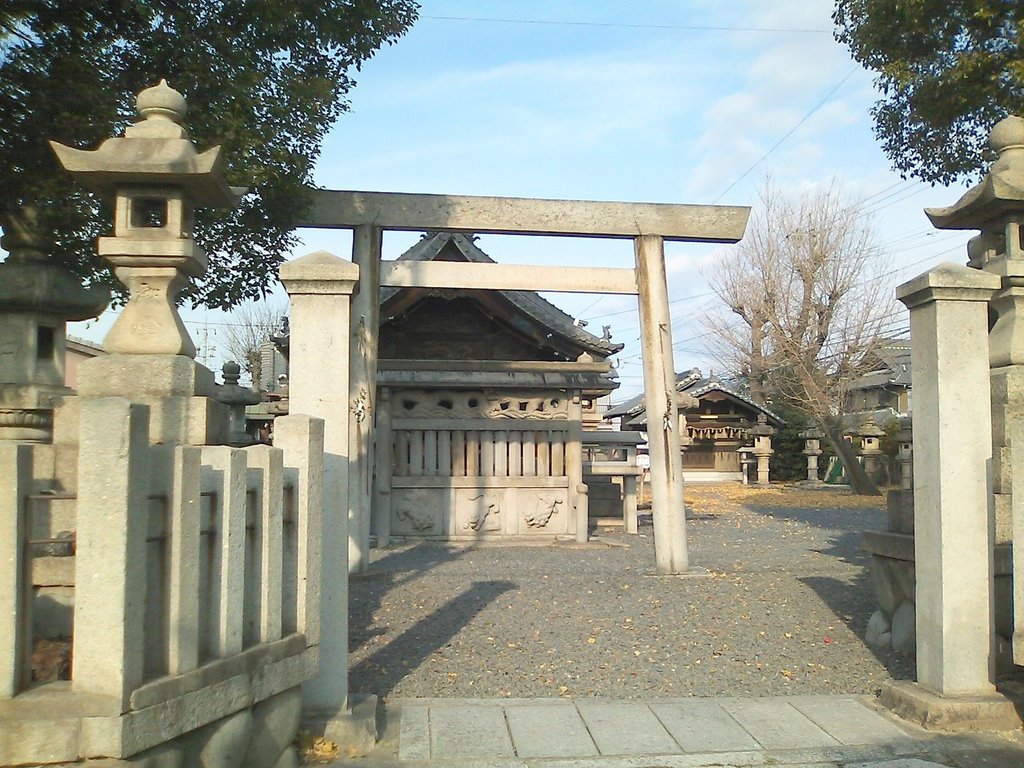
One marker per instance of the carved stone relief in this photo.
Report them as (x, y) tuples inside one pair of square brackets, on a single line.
[(450, 404), (418, 509), (545, 505), (482, 512)]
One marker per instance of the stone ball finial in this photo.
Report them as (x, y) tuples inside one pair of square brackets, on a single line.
[(1008, 133), (162, 101), (231, 372)]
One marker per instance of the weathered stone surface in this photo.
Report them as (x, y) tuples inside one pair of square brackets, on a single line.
[(776, 724), (354, 729), (552, 730), (883, 583), (469, 732), (626, 728), (878, 625), (978, 712), (221, 744), (906, 579), (36, 740), (288, 759), (274, 725), (703, 726), (904, 628)]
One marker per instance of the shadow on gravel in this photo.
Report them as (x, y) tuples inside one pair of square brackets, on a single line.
[(410, 649), (389, 572)]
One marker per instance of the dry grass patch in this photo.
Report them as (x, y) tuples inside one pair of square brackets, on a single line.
[(715, 499)]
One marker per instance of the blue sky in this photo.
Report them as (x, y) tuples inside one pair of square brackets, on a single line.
[(652, 101)]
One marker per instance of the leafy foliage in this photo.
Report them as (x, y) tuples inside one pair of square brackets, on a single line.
[(948, 70), (264, 78)]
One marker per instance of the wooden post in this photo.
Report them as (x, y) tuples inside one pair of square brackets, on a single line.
[(365, 312), (659, 393)]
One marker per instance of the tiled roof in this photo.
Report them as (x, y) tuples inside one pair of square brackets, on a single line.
[(528, 302)]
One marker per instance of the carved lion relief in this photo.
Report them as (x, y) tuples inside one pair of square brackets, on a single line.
[(545, 505), (484, 509), (418, 508)]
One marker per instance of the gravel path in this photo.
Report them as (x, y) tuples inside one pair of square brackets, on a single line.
[(781, 610)]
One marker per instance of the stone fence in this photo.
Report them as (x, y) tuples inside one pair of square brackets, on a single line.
[(199, 608)]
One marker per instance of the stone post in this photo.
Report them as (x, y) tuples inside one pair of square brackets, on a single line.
[(110, 577), (953, 536), (812, 450), (667, 509), (762, 433), (366, 245), (383, 460), (320, 287), (578, 499)]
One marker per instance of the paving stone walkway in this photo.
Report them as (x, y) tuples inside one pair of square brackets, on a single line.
[(795, 731)]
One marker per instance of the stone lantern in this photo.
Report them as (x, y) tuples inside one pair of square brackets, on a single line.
[(762, 435), (37, 298), (905, 438), (871, 447), (812, 450), (996, 208), (236, 397), (155, 178)]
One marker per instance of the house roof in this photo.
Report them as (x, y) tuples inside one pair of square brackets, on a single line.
[(891, 366), (449, 246), (696, 385)]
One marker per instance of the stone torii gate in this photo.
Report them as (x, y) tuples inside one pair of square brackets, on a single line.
[(369, 214)]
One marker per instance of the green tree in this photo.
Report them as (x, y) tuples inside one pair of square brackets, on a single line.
[(948, 70), (264, 78)]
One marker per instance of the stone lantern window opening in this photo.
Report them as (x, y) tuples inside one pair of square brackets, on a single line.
[(151, 212)]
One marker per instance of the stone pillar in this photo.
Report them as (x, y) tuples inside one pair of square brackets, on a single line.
[(366, 246), (667, 509), (15, 618), (320, 287), (578, 499), (111, 528), (383, 459), (953, 538), (762, 434), (812, 450)]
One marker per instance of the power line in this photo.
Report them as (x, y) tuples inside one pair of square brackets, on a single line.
[(790, 132)]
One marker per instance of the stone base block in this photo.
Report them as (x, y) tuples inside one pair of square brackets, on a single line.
[(982, 712), (354, 730), (133, 376)]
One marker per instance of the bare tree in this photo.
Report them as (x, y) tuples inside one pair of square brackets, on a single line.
[(252, 325), (806, 297)]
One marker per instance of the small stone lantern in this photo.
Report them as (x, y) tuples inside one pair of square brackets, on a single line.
[(37, 298), (762, 435), (870, 447), (236, 397), (812, 450), (905, 437), (155, 177)]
